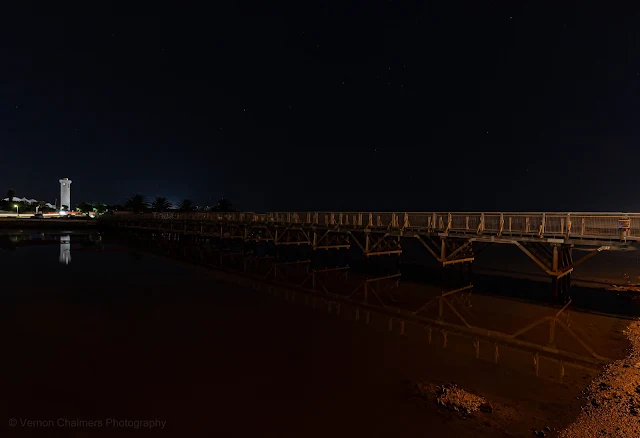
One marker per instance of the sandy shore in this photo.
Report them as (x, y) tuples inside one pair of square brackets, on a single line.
[(612, 400)]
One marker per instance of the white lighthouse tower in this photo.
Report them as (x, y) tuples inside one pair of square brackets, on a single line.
[(65, 193)]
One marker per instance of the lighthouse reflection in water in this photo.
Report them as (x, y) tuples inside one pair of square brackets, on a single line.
[(65, 250)]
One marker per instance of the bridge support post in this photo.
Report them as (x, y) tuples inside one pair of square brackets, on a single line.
[(556, 259), (450, 252), (292, 235), (376, 244), (328, 239)]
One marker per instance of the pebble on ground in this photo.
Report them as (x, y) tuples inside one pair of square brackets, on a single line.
[(453, 398), (612, 400)]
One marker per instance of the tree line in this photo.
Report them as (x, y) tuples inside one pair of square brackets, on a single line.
[(138, 203), (9, 204)]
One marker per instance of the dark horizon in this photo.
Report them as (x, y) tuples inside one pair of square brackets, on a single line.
[(390, 106)]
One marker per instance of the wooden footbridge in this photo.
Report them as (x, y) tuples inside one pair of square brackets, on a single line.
[(547, 345), (547, 238)]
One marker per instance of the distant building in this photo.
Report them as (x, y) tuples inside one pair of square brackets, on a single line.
[(29, 201), (65, 193)]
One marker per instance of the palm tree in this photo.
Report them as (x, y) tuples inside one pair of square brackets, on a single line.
[(136, 203), (224, 205), (8, 204), (186, 205), (161, 204)]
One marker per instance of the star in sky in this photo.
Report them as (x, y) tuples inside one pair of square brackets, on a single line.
[(440, 96)]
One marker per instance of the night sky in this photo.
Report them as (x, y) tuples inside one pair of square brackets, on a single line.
[(393, 105)]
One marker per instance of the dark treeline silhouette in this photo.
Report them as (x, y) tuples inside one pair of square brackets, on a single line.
[(88, 207), (138, 203), (161, 204), (23, 207), (8, 204)]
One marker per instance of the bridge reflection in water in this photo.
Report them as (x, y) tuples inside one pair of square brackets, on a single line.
[(453, 238), (550, 346)]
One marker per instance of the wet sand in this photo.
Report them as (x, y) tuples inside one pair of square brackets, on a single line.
[(612, 401), (141, 338)]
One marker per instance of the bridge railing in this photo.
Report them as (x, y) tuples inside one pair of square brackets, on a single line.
[(635, 225), (552, 224), (200, 216), (324, 218), (558, 224)]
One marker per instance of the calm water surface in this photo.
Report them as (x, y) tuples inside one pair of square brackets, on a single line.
[(97, 331)]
